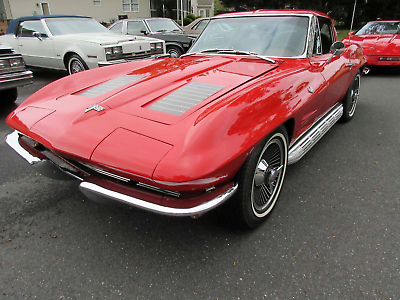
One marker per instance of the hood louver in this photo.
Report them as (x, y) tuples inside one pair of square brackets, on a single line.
[(186, 97), (110, 85)]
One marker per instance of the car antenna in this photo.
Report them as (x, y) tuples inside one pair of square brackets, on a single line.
[(352, 20)]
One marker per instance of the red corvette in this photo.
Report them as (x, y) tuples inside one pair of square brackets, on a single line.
[(380, 41), (180, 136)]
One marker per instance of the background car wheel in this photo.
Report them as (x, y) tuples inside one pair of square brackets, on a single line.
[(260, 181), (351, 98), (76, 64), (9, 96), (174, 51)]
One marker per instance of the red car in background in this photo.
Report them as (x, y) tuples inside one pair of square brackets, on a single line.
[(181, 136), (380, 41)]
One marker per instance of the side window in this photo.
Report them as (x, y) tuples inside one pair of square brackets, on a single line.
[(117, 28), (201, 25), (27, 28), (326, 34), (136, 27)]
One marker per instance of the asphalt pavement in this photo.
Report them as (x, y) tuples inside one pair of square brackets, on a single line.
[(334, 233)]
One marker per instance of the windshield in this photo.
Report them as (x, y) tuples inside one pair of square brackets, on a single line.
[(62, 26), (272, 36), (161, 25), (380, 28)]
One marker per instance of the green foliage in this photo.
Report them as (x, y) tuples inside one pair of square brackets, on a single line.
[(187, 21), (339, 10), (191, 16)]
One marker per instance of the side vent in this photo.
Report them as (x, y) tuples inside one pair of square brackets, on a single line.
[(109, 85), (186, 97)]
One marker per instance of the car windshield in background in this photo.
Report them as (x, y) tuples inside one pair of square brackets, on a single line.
[(270, 36), (161, 25), (61, 26), (380, 28)]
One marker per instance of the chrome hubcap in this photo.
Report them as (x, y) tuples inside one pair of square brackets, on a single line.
[(355, 93), (268, 177), (76, 66)]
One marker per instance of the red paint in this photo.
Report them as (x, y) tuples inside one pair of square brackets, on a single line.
[(204, 146), (377, 45)]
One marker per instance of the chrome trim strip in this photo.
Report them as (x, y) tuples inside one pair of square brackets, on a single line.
[(106, 173), (314, 134), (12, 141), (154, 188), (93, 190), (16, 75)]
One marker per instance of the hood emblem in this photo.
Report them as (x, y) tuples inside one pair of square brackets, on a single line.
[(95, 107), (310, 89)]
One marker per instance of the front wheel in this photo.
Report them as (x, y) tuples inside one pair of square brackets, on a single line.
[(76, 64), (174, 51), (260, 181), (9, 95), (351, 98)]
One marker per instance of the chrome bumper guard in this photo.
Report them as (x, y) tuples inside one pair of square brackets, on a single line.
[(57, 168), (12, 80)]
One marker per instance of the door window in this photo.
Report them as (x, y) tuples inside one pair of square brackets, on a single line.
[(27, 28), (136, 27)]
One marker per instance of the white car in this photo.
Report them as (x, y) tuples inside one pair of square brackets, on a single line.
[(75, 43)]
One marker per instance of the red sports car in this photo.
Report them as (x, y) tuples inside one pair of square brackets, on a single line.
[(380, 41), (181, 136)]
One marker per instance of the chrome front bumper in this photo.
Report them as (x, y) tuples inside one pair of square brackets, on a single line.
[(119, 61), (12, 80), (103, 189)]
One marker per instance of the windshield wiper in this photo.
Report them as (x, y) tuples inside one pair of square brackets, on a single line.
[(161, 30), (232, 51), (240, 52)]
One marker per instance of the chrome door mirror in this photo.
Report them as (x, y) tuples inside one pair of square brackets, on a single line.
[(37, 35), (337, 48)]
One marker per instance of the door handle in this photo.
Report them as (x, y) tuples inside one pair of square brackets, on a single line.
[(349, 65)]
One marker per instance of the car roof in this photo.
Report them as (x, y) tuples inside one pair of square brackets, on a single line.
[(264, 12), (12, 27), (141, 19), (383, 21)]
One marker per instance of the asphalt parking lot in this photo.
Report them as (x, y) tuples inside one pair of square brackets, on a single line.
[(334, 233)]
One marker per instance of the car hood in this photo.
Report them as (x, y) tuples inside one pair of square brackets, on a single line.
[(101, 38), (95, 109), (173, 37), (384, 44)]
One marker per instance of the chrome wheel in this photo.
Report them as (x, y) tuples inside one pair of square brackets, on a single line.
[(75, 65), (174, 52), (268, 176), (354, 94)]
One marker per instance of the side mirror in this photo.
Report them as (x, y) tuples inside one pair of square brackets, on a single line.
[(37, 35), (337, 48), (350, 33), (144, 32)]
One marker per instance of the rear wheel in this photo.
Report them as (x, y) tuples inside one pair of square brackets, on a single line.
[(351, 98), (10, 95), (76, 64), (174, 51), (260, 181)]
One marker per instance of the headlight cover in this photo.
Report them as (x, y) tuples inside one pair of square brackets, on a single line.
[(113, 50)]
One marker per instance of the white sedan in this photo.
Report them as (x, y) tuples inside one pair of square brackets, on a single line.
[(75, 43)]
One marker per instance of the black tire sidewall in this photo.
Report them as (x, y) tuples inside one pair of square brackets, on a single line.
[(9, 95), (347, 100), (75, 57), (175, 49), (246, 176)]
